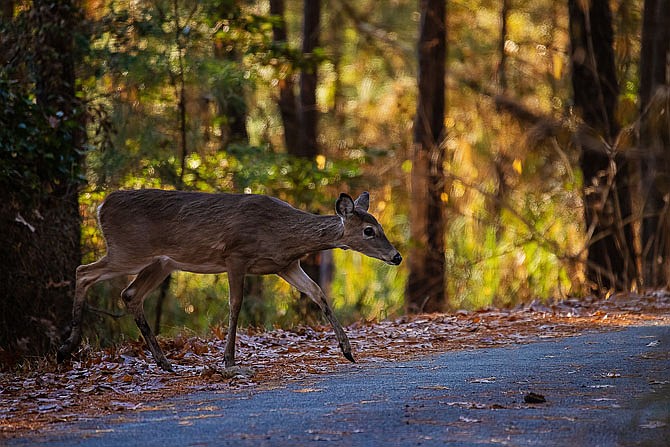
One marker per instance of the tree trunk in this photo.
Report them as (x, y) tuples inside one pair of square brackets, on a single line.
[(232, 106), (606, 190), (287, 102), (7, 10), (308, 80), (655, 141), (307, 144), (231, 102), (426, 282), (40, 248), (500, 159)]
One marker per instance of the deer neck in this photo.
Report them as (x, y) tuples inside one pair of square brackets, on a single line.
[(322, 233)]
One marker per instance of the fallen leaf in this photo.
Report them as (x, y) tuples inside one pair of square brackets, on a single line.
[(34, 398), (308, 390), (468, 420), (433, 387), (534, 398), (483, 380), (653, 424)]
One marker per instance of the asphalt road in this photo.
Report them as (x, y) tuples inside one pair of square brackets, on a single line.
[(605, 389)]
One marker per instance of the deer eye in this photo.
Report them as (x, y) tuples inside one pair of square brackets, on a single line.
[(369, 232)]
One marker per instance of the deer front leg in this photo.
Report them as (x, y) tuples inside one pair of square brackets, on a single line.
[(297, 277), (148, 279), (87, 275), (236, 286)]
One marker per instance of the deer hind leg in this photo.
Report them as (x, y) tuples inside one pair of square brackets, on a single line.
[(87, 275), (236, 286), (148, 279), (297, 277)]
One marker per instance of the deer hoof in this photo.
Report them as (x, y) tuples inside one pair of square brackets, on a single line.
[(63, 354), (349, 357), (165, 365)]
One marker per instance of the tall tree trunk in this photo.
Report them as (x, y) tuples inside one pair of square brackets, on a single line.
[(7, 11), (231, 105), (308, 123), (336, 39), (606, 190), (40, 247), (426, 282), (287, 102), (501, 159), (655, 141), (309, 78), (179, 80)]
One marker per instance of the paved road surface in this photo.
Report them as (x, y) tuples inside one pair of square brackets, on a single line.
[(606, 389)]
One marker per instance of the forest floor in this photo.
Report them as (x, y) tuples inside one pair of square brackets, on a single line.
[(123, 378)]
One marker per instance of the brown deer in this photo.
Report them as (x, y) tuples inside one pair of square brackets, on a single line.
[(151, 233)]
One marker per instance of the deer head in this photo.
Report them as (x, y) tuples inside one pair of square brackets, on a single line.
[(362, 232)]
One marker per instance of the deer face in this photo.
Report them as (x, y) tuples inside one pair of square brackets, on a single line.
[(362, 232)]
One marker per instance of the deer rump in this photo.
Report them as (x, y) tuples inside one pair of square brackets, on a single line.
[(151, 233)]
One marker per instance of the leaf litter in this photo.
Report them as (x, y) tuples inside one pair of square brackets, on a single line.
[(124, 378)]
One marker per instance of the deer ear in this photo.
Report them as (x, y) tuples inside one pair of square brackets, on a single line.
[(345, 206), (363, 201)]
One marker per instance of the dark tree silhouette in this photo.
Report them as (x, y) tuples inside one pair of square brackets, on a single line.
[(309, 78), (288, 106), (606, 190), (39, 213), (654, 141), (426, 282)]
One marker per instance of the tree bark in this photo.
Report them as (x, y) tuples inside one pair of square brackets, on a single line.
[(654, 141), (606, 190), (287, 102), (426, 282), (40, 246), (300, 130), (308, 80), (7, 11)]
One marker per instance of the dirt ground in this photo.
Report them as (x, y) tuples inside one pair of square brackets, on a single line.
[(115, 380)]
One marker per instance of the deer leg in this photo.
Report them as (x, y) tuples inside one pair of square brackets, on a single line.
[(87, 275), (296, 276), (236, 286), (148, 279)]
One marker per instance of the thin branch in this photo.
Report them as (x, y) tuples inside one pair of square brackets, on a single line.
[(375, 32), (551, 244), (106, 312), (537, 236)]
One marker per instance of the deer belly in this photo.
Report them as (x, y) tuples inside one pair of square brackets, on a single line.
[(267, 266), (200, 267)]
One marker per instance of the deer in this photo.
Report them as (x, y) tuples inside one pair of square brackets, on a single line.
[(150, 233)]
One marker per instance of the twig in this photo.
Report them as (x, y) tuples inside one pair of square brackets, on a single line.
[(375, 32), (106, 312)]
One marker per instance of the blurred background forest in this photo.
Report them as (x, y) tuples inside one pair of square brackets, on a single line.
[(543, 177)]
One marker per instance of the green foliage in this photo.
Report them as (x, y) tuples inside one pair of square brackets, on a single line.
[(38, 143), (512, 194), (36, 150)]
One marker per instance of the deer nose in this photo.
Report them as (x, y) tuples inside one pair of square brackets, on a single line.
[(397, 259)]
